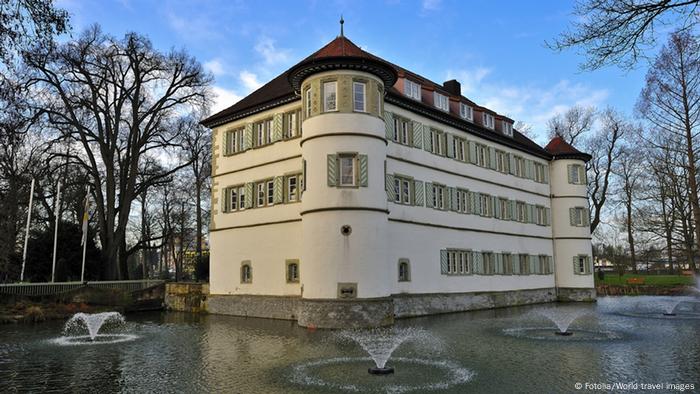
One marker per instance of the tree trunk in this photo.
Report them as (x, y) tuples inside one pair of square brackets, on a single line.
[(198, 246)]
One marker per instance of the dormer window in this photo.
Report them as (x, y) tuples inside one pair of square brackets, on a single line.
[(507, 128), (466, 112), (488, 121), (411, 89), (441, 101)]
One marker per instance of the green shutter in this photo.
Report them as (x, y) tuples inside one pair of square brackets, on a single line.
[(588, 265), (303, 176), (332, 170), (225, 199), (507, 163), (546, 173), (570, 169), (417, 134), (576, 271), (492, 158), (547, 217), (443, 262), (499, 263), (511, 168), (450, 146), (277, 127), (472, 152), (364, 171), (533, 263), (429, 195), (248, 140), (478, 262), (496, 207), (513, 210), (426, 137), (278, 194), (586, 217), (581, 175), (516, 263), (550, 264), (418, 193), (477, 204), (249, 198), (389, 124), (390, 189), (572, 216)]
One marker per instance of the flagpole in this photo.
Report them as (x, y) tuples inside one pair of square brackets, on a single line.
[(85, 233), (26, 233), (55, 231)]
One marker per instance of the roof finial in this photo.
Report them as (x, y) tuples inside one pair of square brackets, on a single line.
[(341, 25)]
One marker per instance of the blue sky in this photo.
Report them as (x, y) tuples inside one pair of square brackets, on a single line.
[(495, 49)]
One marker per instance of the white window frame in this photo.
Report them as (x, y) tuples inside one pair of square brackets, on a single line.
[(462, 200), (241, 198), (507, 260), (343, 160), (291, 124), (307, 99), (521, 211), (327, 96), (488, 120), (436, 137), (441, 101), (438, 196), (355, 84), (270, 192), (482, 156), (458, 262), (539, 213), (519, 166), (459, 147), (292, 192), (488, 260), (412, 89), (502, 161), (234, 141), (507, 128), (582, 262), (466, 112), (485, 202), (579, 217), (404, 274), (402, 130), (260, 194), (403, 190), (505, 208), (524, 262)]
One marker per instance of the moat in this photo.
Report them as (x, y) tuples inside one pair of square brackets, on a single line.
[(618, 340)]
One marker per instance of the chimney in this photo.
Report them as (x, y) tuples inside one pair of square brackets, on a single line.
[(453, 87)]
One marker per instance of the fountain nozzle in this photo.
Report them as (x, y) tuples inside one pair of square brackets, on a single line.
[(381, 371), (669, 314), (564, 333)]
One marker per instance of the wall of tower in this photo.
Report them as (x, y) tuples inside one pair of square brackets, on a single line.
[(570, 240)]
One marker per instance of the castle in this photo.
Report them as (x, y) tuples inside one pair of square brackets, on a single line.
[(350, 192)]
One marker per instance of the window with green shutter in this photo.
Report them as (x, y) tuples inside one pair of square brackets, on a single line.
[(418, 193), (417, 137), (389, 125), (582, 265)]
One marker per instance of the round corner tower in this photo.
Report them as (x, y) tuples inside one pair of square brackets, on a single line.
[(571, 223), (344, 206)]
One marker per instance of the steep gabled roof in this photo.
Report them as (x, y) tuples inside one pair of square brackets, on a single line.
[(561, 149), (342, 52)]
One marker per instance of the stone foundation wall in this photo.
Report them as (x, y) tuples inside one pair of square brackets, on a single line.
[(353, 313), (186, 297), (569, 294), (409, 305), (272, 307)]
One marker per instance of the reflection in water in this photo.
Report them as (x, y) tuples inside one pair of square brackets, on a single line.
[(177, 352)]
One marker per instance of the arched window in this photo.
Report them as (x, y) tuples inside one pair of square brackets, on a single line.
[(292, 271), (404, 271), (246, 272)]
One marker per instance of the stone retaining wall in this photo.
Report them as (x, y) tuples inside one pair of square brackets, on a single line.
[(186, 297)]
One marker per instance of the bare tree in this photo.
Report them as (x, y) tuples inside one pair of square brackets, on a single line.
[(573, 124), (27, 23), (619, 31), (119, 100), (197, 148), (604, 148), (670, 101), (628, 169)]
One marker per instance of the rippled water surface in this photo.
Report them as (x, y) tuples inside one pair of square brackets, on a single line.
[(467, 352)]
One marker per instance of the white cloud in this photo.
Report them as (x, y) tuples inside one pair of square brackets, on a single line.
[(223, 98), (533, 104), (250, 81), (215, 66), (271, 54), (431, 5)]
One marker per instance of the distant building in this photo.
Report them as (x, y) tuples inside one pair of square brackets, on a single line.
[(349, 191)]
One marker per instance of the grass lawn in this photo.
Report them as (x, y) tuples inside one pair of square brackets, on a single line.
[(655, 280)]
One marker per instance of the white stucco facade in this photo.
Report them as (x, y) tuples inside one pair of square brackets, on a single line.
[(348, 242)]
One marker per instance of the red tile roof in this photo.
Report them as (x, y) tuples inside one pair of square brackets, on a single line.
[(279, 91), (559, 148)]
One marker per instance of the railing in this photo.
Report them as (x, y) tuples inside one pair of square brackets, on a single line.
[(41, 289)]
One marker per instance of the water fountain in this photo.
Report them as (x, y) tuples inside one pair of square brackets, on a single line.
[(562, 318), (380, 343), (78, 324)]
